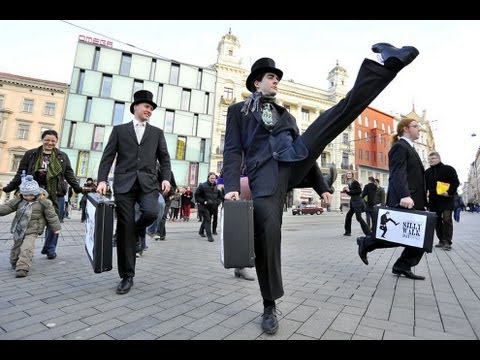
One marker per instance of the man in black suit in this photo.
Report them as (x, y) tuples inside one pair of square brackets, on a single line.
[(406, 188), (277, 157), (137, 146)]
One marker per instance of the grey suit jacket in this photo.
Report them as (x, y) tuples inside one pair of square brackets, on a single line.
[(134, 160)]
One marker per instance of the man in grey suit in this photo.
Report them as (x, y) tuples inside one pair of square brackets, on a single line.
[(277, 157), (406, 189), (137, 146)]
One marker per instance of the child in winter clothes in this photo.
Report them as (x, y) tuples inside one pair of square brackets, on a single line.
[(33, 212)]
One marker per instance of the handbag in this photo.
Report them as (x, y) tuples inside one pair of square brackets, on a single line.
[(404, 226)]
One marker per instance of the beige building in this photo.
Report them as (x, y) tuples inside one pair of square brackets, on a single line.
[(304, 102), (28, 106), (426, 142)]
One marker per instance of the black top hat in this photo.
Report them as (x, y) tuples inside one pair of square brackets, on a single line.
[(262, 66), (142, 96)]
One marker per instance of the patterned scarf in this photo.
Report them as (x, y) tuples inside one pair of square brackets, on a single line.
[(53, 170), (255, 101), (22, 218)]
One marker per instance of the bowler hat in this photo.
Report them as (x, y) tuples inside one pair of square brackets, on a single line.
[(142, 96), (262, 66)]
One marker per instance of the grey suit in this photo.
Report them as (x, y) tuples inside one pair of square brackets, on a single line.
[(135, 181)]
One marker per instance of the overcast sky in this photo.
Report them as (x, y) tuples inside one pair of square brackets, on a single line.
[(443, 80)]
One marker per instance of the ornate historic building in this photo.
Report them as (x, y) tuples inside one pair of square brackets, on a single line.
[(28, 106)]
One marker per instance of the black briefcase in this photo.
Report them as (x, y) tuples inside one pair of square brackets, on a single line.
[(236, 236), (99, 231), (404, 226)]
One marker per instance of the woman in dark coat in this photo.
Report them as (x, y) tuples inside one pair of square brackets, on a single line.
[(357, 205)]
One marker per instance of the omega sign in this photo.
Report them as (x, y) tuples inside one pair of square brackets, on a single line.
[(92, 40)]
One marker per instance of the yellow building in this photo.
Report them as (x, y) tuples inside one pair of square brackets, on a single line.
[(304, 102), (28, 106)]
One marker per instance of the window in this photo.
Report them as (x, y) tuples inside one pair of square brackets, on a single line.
[(181, 146), (2, 98), (207, 102), (106, 86), (360, 119), (359, 134), (367, 155), (219, 167), (118, 110), (344, 160), (15, 162), (305, 115), (360, 154), (380, 157), (389, 131), (81, 80), (83, 157), (174, 72), (49, 109), (383, 127), (96, 58), (125, 64), (71, 134), (323, 160), (137, 85), (98, 136), (88, 109), (203, 144), (366, 136), (199, 78), (222, 145), (374, 156), (366, 121), (345, 138), (223, 118), (160, 94), (193, 174), (169, 118), (22, 131), (153, 68), (195, 124), (374, 123), (380, 138), (228, 93), (42, 129), (185, 101), (27, 105)]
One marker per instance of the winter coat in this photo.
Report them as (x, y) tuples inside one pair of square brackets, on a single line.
[(43, 213)]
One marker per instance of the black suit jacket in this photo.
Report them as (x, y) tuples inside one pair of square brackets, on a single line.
[(407, 176), (133, 160), (263, 147)]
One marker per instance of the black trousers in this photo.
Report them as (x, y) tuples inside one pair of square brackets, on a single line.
[(128, 230), (268, 211), (358, 215)]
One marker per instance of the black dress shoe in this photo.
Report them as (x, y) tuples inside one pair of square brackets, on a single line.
[(405, 54), (347, 234), (362, 251), (407, 273), (124, 285), (269, 322)]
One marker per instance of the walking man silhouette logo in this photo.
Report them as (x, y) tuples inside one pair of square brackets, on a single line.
[(384, 219)]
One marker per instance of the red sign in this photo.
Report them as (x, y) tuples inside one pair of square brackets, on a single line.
[(96, 41)]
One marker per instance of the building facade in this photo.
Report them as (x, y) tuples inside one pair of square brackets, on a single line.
[(28, 106), (104, 80), (373, 129)]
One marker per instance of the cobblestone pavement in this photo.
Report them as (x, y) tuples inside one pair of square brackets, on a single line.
[(182, 291)]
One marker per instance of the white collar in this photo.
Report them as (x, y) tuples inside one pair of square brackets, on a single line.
[(136, 122), (407, 140)]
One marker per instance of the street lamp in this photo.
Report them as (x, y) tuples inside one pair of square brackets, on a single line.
[(474, 164)]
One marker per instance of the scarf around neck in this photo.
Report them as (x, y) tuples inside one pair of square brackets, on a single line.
[(22, 218), (54, 169), (254, 101)]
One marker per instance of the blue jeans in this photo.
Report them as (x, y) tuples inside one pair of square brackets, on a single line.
[(155, 226), (51, 239)]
